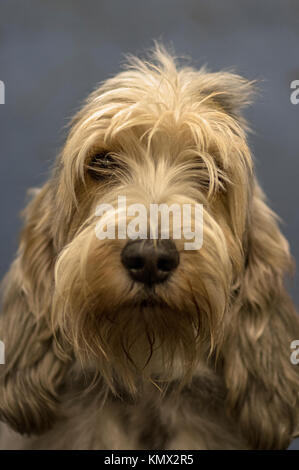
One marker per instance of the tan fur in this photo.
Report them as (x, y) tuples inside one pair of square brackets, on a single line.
[(206, 362)]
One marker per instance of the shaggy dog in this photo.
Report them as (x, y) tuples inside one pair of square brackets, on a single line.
[(121, 344)]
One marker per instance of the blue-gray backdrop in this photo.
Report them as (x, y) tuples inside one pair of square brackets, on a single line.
[(53, 53)]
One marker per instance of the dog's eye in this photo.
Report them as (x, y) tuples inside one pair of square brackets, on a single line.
[(101, 165)]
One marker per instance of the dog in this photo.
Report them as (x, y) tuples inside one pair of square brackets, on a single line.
[(139, 343)]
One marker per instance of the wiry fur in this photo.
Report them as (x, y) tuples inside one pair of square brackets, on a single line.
[(92, 360)]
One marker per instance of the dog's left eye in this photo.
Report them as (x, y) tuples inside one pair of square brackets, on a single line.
[(101, 165)]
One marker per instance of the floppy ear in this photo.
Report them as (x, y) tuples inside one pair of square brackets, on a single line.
[(263, 384), (32, 373), (230, 92)]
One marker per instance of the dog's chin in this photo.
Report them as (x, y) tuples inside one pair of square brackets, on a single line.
[(142, 338), (147, 297)]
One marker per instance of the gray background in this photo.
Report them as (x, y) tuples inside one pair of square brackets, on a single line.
[(52, 54)]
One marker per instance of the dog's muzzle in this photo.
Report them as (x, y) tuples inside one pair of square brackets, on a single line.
[(150, 262)]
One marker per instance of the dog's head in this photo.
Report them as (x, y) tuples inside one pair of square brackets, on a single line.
[(151, 135), (148, 308)]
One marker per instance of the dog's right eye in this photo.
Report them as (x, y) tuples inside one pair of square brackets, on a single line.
[(101, 165)]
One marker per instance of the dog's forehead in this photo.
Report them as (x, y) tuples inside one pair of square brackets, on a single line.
[(154, 96), (124, 111), (161, 84), (164, 110)]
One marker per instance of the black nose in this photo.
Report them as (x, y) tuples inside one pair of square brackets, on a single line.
[(150, 261)]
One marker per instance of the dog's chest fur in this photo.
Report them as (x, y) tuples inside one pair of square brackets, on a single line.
[(194, 419)]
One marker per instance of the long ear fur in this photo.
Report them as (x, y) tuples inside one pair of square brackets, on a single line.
[(32, 374), (263, 384)]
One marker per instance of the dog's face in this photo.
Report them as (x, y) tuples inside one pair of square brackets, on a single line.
[(155, 136)]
